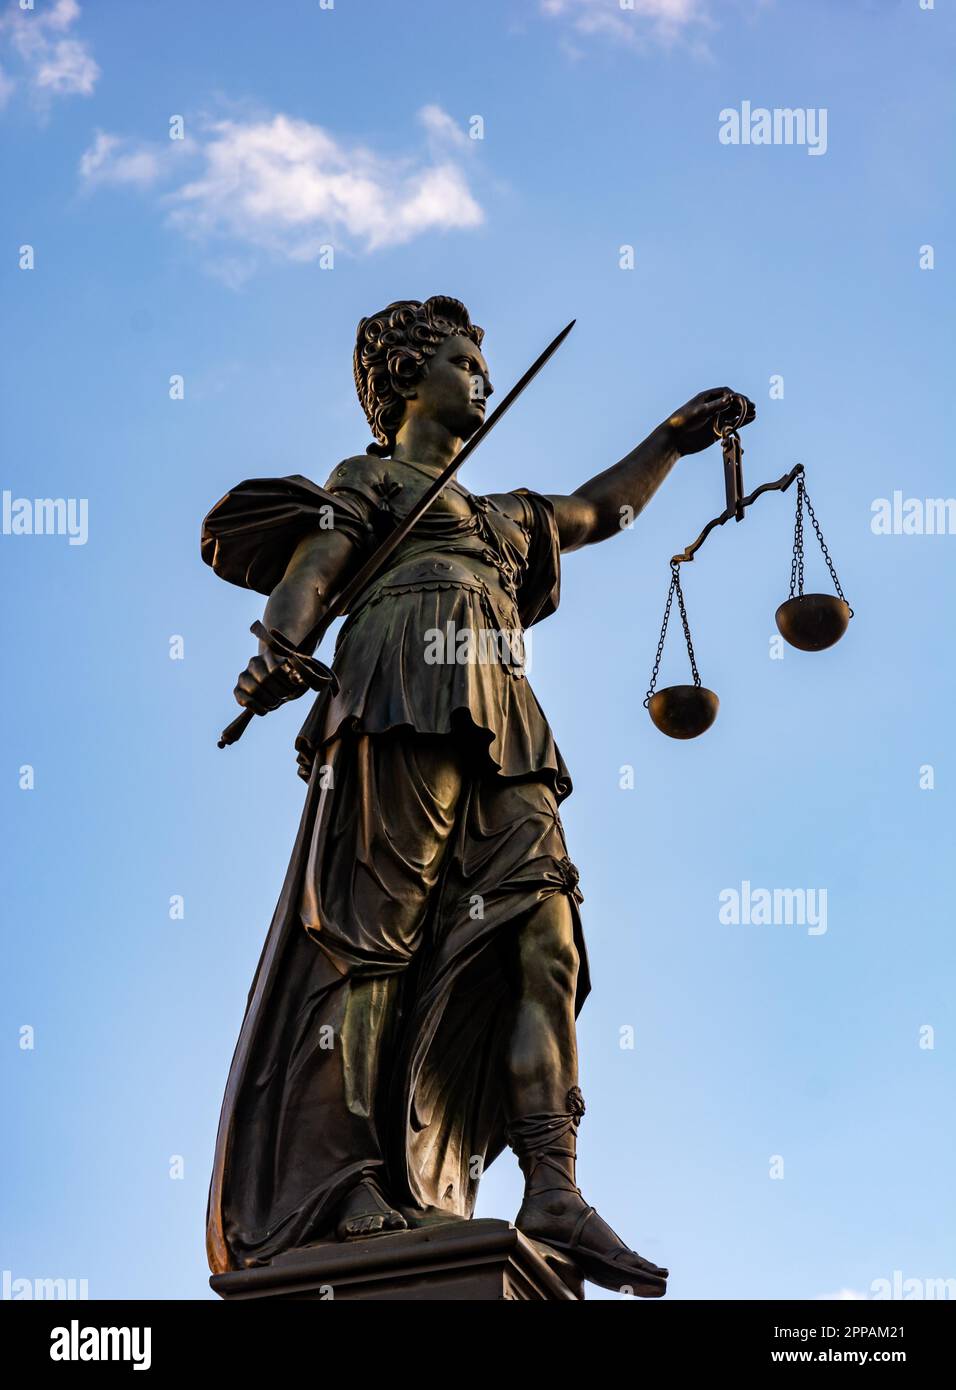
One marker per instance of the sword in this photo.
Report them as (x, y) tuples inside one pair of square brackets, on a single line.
[(298, 661)]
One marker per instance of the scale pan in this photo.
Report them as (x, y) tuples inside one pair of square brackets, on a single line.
[(813, 622), (683, 711)]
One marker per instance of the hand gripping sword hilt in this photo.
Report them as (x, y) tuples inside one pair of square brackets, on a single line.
[(299, 668)]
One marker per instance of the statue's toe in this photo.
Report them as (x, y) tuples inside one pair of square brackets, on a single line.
[(595, 1248), (365, 1225), (366, 1213)]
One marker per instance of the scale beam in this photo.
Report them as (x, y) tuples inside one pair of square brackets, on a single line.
[(736, 510)]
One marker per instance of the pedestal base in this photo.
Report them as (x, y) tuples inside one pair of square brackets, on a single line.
[(458, 1260)]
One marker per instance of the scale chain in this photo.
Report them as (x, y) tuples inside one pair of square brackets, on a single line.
[(796, 564), (796, 567), (674, 587)]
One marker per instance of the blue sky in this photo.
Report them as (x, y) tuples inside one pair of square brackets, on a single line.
[(202, 258)]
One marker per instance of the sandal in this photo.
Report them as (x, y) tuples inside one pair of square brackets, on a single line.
[(378, 1206), (550, 1140)]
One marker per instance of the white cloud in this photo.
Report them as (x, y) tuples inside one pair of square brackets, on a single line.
[(287, 187), (664, 21), (68, 69), (51, 63), (62, 15), (844, 1296), (442, 127), (113, 160)]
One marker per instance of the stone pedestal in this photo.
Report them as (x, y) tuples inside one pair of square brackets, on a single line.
[(454, 1261)]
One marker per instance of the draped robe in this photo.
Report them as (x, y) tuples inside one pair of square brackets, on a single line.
[(373, 1035)]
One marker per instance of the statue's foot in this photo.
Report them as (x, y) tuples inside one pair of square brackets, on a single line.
[(564, 1221), (365, 1212)]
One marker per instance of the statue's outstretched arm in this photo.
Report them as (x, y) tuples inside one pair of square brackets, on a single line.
[(609, 502)]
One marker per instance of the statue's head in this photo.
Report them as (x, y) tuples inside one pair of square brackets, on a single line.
[(424, 359)]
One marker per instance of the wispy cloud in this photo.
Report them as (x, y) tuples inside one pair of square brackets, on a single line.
[(284, 187), (111, 159), (637, 24), (47, 59), (442, 128)]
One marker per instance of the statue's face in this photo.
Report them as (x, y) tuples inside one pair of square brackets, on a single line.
[(455, 387)]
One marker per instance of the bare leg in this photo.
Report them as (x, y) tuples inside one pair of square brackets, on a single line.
[(541, 1063), (545, 1107)]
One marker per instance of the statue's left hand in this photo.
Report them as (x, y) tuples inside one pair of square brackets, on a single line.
[(692, 427)]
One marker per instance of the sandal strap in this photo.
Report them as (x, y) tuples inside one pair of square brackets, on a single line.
[(549, 1138), (623, 1256), (579, 1225), (543, 1158)]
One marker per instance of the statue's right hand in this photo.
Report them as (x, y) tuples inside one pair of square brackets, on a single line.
[(268, 682)]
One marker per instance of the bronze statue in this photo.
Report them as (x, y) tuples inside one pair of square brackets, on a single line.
[(414, 1006)]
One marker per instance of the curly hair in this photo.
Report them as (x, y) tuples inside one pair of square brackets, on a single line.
[(393, 348)]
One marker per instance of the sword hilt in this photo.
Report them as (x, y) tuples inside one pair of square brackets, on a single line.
[(309, 672), (233, 732)]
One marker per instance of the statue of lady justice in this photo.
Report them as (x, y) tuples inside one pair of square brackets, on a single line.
[(414, 1007)]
